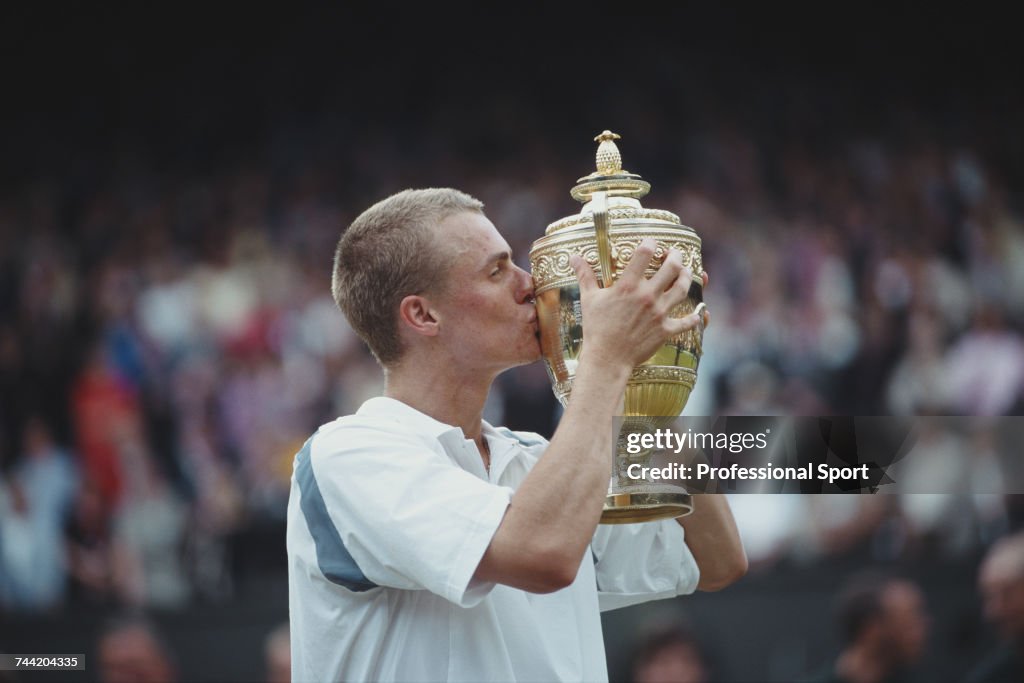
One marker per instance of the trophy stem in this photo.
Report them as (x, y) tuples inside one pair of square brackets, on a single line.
[(630, 500)]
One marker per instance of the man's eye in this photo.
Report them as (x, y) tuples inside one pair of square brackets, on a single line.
[(495, 271)]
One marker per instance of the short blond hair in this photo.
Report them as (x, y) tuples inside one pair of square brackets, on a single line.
[(389, 252)]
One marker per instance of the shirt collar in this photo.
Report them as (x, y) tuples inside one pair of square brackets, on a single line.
[(384, 406), (503, 447)]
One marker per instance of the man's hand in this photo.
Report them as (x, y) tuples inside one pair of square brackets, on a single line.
[(626, 323)]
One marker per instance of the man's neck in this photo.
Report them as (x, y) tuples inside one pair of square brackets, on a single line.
[(442, 392)]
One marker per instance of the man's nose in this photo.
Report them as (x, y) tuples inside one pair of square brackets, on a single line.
[(525, 290)]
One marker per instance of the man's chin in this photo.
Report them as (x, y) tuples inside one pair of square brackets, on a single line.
[(531, 356), (530, 360)]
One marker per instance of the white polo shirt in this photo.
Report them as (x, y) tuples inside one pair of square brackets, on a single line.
[(389, 515)]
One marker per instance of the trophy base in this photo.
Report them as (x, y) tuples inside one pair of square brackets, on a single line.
[(633, 508)]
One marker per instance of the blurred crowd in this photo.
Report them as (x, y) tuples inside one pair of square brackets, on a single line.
[(168, 339), (885, 626)]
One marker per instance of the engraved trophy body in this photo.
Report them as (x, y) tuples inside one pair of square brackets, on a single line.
[(605, 233)]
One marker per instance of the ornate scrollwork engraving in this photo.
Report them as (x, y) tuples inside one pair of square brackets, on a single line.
[(550, 262), (616, 214)]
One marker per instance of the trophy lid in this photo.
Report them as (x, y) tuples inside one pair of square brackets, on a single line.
[(609, 176), (622, 188)]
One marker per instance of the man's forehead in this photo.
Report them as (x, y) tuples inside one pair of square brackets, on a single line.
[(471, 231)]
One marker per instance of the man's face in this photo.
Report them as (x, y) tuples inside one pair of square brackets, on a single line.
[(677, 663), (1002, 591), (132, 655), (906, 623), (486, 310)]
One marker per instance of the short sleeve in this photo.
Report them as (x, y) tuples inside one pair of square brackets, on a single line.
[(405, 514), (636, 563)]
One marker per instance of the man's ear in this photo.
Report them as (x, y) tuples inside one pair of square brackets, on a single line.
[(418, 315)]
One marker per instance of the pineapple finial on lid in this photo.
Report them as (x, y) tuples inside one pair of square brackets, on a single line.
[(609, 177), (609, 161)]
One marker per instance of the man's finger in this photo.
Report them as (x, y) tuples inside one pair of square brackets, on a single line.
[(679, 325), (640, 261), (584, 273), (669, 271), (680, 288)]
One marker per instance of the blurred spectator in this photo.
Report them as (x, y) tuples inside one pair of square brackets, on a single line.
[(771, 525), (32, 517), (18, 562), (987, 366), (129, 650), (754, 388), (988, 482), (277, 655), (920, 382), (934, 518), (1001, 581), (844, 524), (148, 531), (96, 566), (670, 654), (103, 406), (884, 628), (46, 471)]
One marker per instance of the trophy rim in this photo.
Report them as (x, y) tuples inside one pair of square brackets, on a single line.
[(645, 507)]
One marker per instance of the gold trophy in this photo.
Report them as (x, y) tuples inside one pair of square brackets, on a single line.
[(606, 232)]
